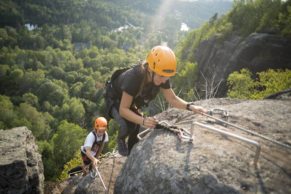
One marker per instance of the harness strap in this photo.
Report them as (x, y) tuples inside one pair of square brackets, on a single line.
[(95, 141)]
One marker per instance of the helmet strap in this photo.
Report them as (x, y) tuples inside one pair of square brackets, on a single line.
[(153, 74)]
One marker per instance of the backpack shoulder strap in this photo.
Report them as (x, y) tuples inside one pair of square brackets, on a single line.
[(93, 131), (143, 81), (120, 71), (117, 72)]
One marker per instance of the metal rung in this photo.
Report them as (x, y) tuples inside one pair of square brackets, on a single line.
[(258, 150), (249, 131), (142, 134)]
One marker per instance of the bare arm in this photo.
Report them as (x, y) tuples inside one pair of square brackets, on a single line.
[(177, 102), (92, 158), (125, 112)]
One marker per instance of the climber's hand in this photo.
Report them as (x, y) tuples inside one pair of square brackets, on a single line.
[(198, 109), (95, 162), (149, 122)]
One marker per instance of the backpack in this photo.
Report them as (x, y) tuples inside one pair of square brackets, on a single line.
[(110, 94)]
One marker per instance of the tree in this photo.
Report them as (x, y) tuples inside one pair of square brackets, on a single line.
[(49, 162), (75, 89), (73, 111), (7, 114), (272, 81), (32, 80), (185, 79), (49, 91), (241, 84), (67, 139), (71, 77), (88, 89), (38, 122), (57, 73), (31, 99)]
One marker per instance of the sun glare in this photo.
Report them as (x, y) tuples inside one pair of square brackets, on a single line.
[(157, 19)]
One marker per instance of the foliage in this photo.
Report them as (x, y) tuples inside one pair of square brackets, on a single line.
[(246, 17), (49, 164), (259, 15), (75, 161), (186, 79), (67, 139), (220, 28), (36, 121), (24, 115), (242, 85), (112, 132), (40, 88), (55, 57), (7, 114), (72, 111)]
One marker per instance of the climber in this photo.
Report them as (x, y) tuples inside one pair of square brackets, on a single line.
[(93, 146), (130, 89)]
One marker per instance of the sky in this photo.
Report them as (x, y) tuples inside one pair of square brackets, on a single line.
[(204, 0)]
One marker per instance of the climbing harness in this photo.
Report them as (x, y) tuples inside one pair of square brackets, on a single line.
[(94, 172), (183, 134)]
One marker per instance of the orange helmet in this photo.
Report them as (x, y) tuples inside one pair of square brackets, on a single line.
[(162, 61), (100, 122)]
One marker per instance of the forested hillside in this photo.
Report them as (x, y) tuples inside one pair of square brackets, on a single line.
[(269, 18), (56, 55)]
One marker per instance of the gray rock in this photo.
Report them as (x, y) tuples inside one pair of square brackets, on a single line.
[(21, 167), (109, 169), (213, 163), (258, 52)]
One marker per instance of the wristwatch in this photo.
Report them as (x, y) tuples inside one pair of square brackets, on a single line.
[(188, 106)]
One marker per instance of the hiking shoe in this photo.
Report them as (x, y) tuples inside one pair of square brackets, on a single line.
[(122, 147)]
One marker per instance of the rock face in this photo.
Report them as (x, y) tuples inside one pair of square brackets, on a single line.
[(213, 163), (258, 52), (109, 169), (21, 167)]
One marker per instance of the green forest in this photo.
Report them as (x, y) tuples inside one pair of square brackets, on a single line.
[(56, 55)]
